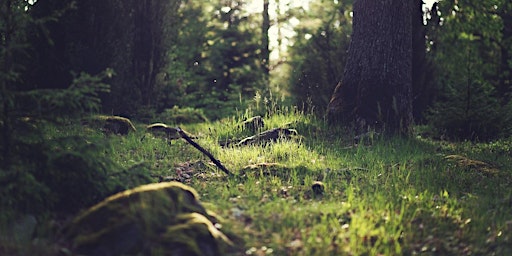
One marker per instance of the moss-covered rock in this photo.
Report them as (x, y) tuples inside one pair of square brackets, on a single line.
[(163, 130), (253, 124), (269, 136), (118, 125), (155, 219), (111, 124), (183, 115), (167, 132)]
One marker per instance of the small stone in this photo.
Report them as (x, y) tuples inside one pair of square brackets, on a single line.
[(318, 188)]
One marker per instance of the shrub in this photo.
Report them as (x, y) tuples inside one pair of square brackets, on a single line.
[(475, 116), (186, 115)]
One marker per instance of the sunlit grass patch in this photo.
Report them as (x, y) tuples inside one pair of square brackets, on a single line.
[(384, 196)]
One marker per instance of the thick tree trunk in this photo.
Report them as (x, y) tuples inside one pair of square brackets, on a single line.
[(376, 89)]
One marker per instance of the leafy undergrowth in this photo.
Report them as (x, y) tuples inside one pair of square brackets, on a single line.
[(319, 193)]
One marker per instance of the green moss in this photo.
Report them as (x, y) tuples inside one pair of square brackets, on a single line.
[(163, 130), (140, 220), (111, 124), (178, 115)]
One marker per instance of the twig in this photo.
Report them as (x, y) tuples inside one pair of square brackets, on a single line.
[(204, 151)]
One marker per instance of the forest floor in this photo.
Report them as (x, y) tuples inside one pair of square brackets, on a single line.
[(377, 197), (319, 192)]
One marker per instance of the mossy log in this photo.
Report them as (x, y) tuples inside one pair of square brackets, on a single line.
[(166, 131), (156, 219), (481, 167), (163, 130), (118, 125), (269, 136)]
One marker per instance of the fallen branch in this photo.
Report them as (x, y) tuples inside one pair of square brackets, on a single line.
[(204, 151)]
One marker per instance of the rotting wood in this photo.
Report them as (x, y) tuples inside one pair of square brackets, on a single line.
[(166, 131), (269, 135)]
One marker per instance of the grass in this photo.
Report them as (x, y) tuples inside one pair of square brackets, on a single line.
[(385, 196)]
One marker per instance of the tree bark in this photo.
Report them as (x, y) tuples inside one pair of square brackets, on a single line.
[(505, 77), (376, 89), (265, 47), (420, 70)]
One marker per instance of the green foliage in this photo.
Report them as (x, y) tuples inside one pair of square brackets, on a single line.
[(165, 54), (46, 169), (478, 116), (186, 115), (318, 54), (76, 177), (469, 48), (215, 63), (131, 37), (21, 192), (54, 170), (385, 196), (185, 72), (83, 96)]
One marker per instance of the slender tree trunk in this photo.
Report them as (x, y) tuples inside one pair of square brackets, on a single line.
[(148, 44), (143, 49), (6, 42), (265, 48), (505, 84), (420, 92), (376, 89)]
